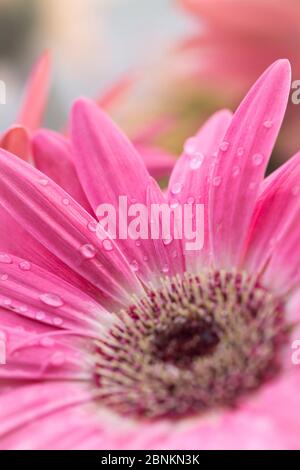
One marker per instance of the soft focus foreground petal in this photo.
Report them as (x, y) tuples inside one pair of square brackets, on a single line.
[(276, 208), (16, 140), (36, 94), (189, 182), (242, 159), (109, 167), (53, 156), (33, 407), (64, 228), (16, 240), (36, 351)]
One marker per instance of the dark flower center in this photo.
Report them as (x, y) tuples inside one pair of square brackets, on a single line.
[(196, 343)]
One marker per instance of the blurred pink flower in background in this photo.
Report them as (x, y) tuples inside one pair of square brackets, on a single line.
[(236, 41), (69, 300)]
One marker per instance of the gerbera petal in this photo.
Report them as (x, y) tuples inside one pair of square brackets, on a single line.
[(242, 159), (189, 182), (109, 167), (36, 94), (276, 207), (53, 156), (16, 141), (35, 293), (64, 228)]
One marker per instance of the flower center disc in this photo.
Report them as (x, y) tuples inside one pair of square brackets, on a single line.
[(197, 342)]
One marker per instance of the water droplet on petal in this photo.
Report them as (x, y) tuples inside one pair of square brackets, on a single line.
[(138, 243), (236, 171), (167, 241), (65, 201), (4, 277), (47, 342), (43, 181), (268, 124), (134, 265), (40, 315), (177, 188), (25, 265), (57, 321), (217, 180), (88, 251), (53, 300), (165, 269), (92, 226), (257, 159), (224, 146), (57, 359), (6, 259), (190, 200), (196, 161), (107, 245), (240, 151), (190, 146), (173, 205)]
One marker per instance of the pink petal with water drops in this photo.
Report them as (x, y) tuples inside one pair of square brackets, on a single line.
[(16, 141), (36, 94), (36, 351), (189, 182), (276, 207), (247, 145), (108, 167), (53, 156), (35, 293), (64, 228)]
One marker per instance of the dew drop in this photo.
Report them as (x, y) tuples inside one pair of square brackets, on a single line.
[(43, 181), (47, 342), (57, 321), (88, 251), (268, 124), (190, 200), (196, 161), (165, 269), (224, 146), (217, 180), (25, 265), (107, 245), (6, 259), (40, 316), (257, 159), (66, 201), (177, 188), (174, 205), (53, 300), (92, 226), (138, 243), (4, 277), (134, 265), (167, 241), (57, 359), (240, 151), (190, 146)]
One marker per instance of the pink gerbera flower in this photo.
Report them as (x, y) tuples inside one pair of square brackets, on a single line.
[(121, 345)]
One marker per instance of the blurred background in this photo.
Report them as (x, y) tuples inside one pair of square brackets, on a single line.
[(185, 58)]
